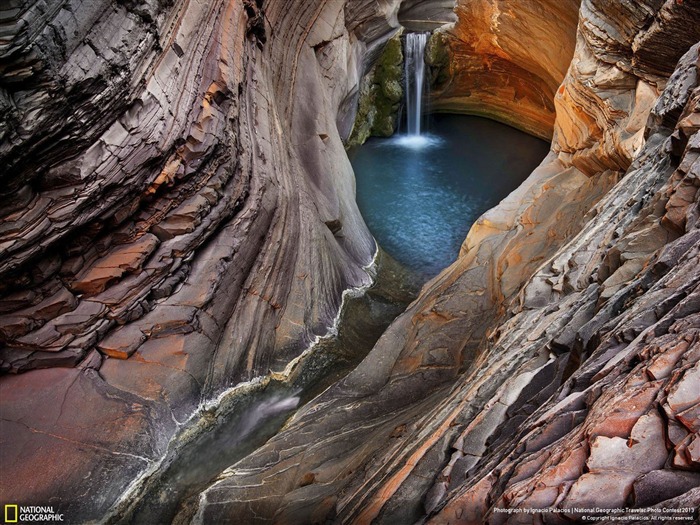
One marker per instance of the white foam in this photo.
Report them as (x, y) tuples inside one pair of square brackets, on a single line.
[(416, 142), (275, 405)]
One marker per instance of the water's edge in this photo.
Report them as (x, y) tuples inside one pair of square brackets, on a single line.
[(420, 194), (224, 430)]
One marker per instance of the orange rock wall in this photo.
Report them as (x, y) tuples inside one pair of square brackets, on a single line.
[(506, 60)]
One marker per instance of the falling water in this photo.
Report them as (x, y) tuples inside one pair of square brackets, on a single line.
[(414, 65)]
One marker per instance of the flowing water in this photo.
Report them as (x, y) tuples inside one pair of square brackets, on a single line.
[(244, 420), (414, 80), (420, 194)]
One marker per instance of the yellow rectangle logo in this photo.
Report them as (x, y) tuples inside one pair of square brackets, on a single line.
[(11, 513)]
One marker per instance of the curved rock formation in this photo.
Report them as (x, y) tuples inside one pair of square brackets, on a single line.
[(495, 388), (179, 217), (505, 60)]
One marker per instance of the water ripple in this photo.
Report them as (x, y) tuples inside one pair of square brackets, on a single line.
[(419, 195)]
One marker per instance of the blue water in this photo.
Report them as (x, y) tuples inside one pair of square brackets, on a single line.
[(420, 194)]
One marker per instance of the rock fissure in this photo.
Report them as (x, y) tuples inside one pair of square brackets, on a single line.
[(178, 217)]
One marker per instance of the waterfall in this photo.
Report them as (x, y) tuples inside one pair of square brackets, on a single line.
[(414, 79)]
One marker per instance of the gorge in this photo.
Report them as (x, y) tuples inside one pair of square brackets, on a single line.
[(197, 325)]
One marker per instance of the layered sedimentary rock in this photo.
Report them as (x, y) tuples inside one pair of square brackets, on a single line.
[(178, 216), (419, 15), (504, 60), (553, 364)]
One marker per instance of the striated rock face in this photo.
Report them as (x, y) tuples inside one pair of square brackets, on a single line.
[(599, 420), (422, 15), (505, 60), (550, 366), (615, 77), (178, 215)]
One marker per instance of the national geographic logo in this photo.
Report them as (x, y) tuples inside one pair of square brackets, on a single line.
[(31, 514), (11, 513)]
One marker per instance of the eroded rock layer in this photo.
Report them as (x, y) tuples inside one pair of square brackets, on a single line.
[(178, 216), (553, 364), (504, 60)]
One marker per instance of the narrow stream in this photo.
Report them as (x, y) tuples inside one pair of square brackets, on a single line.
[(244, 420)]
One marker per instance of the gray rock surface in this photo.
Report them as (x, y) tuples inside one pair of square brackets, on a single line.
[(177, 216)]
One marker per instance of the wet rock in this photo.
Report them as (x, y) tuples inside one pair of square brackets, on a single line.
[(380, 96), (661, 485), (196, 233)]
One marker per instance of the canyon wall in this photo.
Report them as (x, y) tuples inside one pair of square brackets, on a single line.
[(178, 216), (504, 60), (380, 97), (553, 364), (419, 15)]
